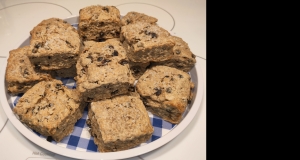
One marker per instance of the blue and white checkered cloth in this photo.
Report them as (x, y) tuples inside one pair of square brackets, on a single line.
[(81, 140)]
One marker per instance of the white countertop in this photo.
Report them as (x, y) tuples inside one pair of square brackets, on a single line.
[(186, 19)]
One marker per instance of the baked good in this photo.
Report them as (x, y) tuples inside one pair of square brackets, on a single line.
[(182, 59), (119, 123), (99, 23), (20, 74), (103, 70), (138, 68), (54, 44), (165, 91), (50, 108), (132, 17), (145, 42)]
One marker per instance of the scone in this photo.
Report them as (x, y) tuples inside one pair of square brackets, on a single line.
[(20, 74), (182, 59), (145, 42), (103, 70), (54, 44), (132, 17), (50, 108), (119, 123), (165, 92), (98, 23)]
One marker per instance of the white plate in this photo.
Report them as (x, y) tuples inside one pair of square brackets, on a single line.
[(3, 118), (188, 116)]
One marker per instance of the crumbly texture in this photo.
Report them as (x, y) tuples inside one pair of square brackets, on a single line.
[(182, 59), (99, 23), (132, 17), (165, 92), (119, 123), (145, 42), (138, 69), (54, 44), (66, 72), (50, 108), (20, 73), (103, 70)]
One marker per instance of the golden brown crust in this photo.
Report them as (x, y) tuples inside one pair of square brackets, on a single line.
[(103, 70), (165, 92), (119, 123), (54, 44), (133, 17), (145, 42), (99, 23), (50, 108), (182, 59)]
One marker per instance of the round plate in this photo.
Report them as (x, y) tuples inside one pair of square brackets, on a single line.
[(189, 114)]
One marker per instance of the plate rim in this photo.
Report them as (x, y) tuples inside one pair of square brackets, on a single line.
[(109, 155)]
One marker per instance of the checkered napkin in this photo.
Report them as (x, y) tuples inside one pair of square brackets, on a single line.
[(81, 140)]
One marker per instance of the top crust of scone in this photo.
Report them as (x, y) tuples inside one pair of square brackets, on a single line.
[(161, 86), (53, 36), (182, 59), (141, 31), (99, 23), (145, 42), (132, 17), (101, 63), (122, 118), (50, 108), (98, 13), (182, 49)]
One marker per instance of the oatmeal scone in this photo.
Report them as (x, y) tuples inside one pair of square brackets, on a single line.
[(103, 70), (50, 108), (99, 23), (54, 44), (165, 92), (145, 42), (119, 123), (182, 59), (20, 74), (132, 17)]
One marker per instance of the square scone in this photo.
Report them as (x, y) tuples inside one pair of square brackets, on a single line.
[(132, 17), (54, 44), (20, 74), (103, 70), (119, 123), (98, 23), (146, 42), (182, 59), (165, 92), (50, 108)]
